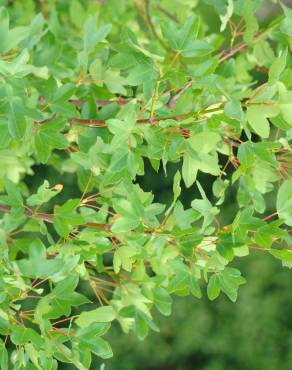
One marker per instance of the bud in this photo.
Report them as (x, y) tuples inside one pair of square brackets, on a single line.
[(58, 187)]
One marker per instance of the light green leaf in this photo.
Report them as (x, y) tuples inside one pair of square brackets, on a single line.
[(37, 265), (3, 356), (284, 202), (258, 121), (213, 288), (92, 35), (204, 142), (101, 314), (176, 186), (197, 48), (44, 194), (277, 67), (66, 217), (189, 169), (286, 24), (123, 258)]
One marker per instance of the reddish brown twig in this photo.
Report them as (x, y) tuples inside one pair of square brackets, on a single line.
[(173, 99)]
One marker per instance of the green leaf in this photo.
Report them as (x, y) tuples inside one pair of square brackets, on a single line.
[(123, 225), (14, 197), (213, 288), (101, 314), (258, 121), (179, 39), (16, 119), (265, 235), (3, 356), (284, 255), (4, 28), (37, 265), (96, 71), (63, 297), (176, 186), (233, 109), (92, 331), (9, 38), (277, 67), (226, 17), (284, 202), (140, 74), (77, 13), (286, 24), (115, 82), (66, 217), (250, 21), (205, 208), (230, 280), (92, 35), (194, 285), (219, 187), (162, 300), (204, 142), (123, 257), (21, 335), (44, 194), (47, 138), (197, 48), (99, 347), (189, 169)]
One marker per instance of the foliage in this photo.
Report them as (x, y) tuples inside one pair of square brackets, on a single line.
[(92, 90), (253, 334)]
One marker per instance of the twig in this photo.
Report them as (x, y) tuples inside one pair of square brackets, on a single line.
[(151, 25), (167, 13), (28, 213), (53, 116), (99, 103), (229, 53), (173, 99), (66, 319), (226, 55), (270, 216), (102, 123), (49, 218)]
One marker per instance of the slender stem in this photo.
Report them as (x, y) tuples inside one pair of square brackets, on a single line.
[(167, 13), (270, 216), (173, 99), (151, 25), (49, 218), (64, 320), (102, 123)]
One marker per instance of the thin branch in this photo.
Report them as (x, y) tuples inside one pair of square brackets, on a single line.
[(173, 99), (225, 56), (66, 319), (242, 45), (99, 102), (28, 213), (88, 122), (229, 53), (49, 218), (102, 123), (42, 122), (151, 25), (270, 216), (167, 13)]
